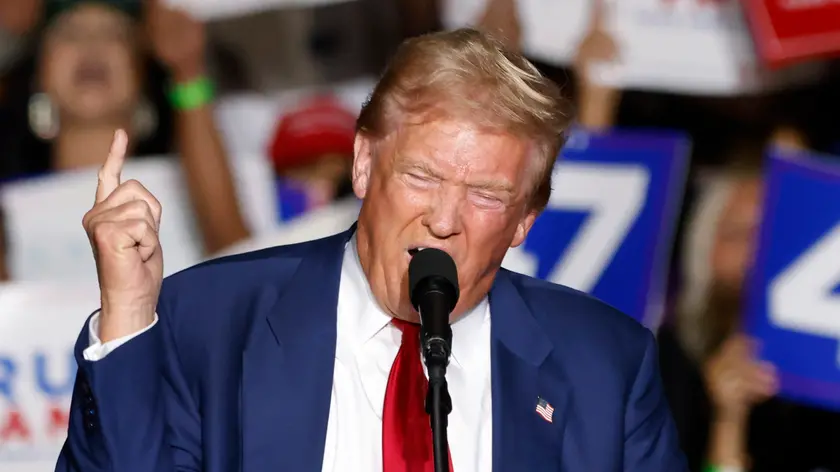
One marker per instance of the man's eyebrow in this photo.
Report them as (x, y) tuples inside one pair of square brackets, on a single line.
[(493, 186), (409, 165), (499, 186)]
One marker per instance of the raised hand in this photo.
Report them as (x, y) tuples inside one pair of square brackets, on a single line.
[(177, 39), (737, 380), (18, 17), (123, 230), (597, 51), (597, 44), (501, 18)]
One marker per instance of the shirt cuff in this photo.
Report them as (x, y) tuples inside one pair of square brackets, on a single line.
[(96, 350)]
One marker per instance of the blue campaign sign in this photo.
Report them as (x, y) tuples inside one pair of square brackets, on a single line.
[(609, 226), (793, 305)]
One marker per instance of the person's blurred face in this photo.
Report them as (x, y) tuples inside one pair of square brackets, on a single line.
[(89, 64), (446, 185), (323, 177), (735, 237)]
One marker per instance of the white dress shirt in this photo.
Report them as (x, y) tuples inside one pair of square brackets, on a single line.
[(366, 347)]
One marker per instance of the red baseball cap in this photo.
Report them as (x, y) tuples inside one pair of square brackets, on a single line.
[(317, 126)]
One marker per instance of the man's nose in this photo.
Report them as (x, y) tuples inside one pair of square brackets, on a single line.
[(443, 217)]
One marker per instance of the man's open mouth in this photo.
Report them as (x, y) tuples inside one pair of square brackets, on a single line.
[(413, 251)]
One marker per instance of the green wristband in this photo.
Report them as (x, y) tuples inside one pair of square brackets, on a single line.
[(191, 95), (714, 468)]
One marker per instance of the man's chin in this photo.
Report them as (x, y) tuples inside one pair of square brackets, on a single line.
[(397, 308), (406, 312)]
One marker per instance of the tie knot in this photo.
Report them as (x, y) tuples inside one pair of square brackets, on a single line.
[(411, 330)]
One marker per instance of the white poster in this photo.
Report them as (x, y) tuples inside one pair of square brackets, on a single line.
[(317, 224), (39, 324), (699, 47), (215, 9), (43, 216)]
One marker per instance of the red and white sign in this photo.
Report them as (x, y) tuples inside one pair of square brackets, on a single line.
[(788, 31), (698, 47), (39, 323)]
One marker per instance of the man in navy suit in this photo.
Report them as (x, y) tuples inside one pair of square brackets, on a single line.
[(305, 357)]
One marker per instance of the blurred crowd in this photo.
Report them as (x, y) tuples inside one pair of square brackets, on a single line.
[(282, 86)]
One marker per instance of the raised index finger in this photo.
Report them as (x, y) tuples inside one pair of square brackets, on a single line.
[(109, 174)]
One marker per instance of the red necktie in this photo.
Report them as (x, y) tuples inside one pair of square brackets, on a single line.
[(406, 430)]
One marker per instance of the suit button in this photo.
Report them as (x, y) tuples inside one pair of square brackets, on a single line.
[(89, 419), (89, 412)]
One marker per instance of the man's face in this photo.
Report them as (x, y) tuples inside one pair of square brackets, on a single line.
[(443, 184)]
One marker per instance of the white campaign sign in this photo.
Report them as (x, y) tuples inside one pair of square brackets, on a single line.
[(39, 324), (800, 298), (215, 9), (43, 216), (44, 221), (614, 196), (686, 46)]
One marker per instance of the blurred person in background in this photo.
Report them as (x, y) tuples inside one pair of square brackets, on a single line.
[(721, 395), (312, 154), (91, 64)]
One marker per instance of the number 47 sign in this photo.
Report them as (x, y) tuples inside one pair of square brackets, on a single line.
[(794, 302), (608, 227)]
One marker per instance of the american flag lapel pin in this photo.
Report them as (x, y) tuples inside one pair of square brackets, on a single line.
[(545, 410)]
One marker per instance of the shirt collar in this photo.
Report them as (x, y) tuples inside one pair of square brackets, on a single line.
[(468, 334), (366, 319)]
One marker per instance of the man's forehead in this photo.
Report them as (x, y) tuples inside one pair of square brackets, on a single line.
[(455, 141), (451, 131)]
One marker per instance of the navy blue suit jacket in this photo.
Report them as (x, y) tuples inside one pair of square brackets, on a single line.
[(237, 376)]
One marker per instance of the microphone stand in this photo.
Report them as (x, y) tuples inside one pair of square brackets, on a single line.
[(436, 352)]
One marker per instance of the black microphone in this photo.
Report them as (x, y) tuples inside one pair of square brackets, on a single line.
[(433, 289)]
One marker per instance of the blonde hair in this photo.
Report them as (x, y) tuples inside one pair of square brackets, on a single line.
[(466, 74), (696, 262), (695, 330)]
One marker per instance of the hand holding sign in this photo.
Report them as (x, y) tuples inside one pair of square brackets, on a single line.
[(178, 40), (793, 299), (123, 230), (737, 380), (501, 18), (19, 16)]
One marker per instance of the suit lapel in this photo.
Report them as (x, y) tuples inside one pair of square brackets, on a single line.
[(521, 374), (288, 367)]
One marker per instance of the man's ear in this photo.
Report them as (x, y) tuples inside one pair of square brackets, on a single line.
[(524, 227), (362, 164)]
